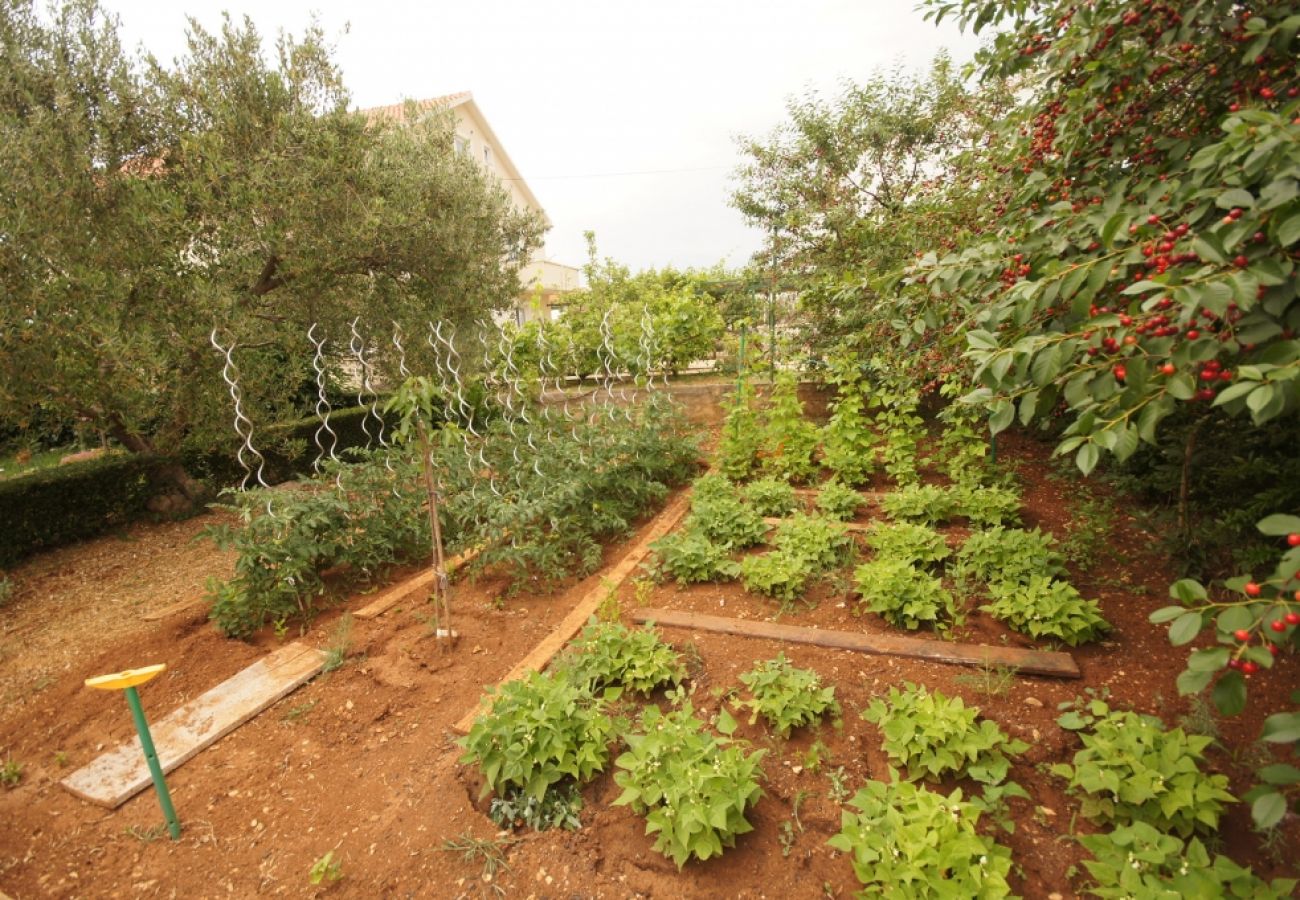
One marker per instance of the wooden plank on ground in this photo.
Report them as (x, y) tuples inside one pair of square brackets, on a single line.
[(870, 496), (391, 596), (540, 655), (120, 774), (1029, 662)]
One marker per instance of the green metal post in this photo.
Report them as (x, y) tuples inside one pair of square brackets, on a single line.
[(993, 448), (740, 358), (151, 757)]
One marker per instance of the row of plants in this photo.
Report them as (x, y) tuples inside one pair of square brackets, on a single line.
[(536, 495)]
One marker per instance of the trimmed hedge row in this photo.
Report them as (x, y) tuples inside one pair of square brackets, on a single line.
[(56, 506)]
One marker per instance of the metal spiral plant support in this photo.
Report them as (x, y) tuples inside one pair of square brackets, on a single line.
[(490, 390), (322, 403), (441, 370), (607, 342), (359, 351), (243, 425)]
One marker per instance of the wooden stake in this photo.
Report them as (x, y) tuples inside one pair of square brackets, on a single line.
[(441, 584)]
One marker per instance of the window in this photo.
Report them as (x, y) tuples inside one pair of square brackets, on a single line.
[(462, 144)]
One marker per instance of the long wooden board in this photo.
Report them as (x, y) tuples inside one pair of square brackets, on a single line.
[(391, 596), (540, 655), (118, 775), (1029, 662), (848, 526)]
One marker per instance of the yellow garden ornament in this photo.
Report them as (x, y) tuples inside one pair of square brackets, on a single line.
[(125, 681)]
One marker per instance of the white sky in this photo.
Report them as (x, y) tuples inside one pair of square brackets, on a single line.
[(597, 87)]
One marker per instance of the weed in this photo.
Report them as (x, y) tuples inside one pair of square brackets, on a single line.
[(61, 759), (325, 869), (792, 827), (990, 679), (839, 791), (610, 610), (145, 835), (340, 643), (472, 849), (1090, 528), (557, 809), (1200, 718), (11, 772), (299, 712), (816, 754), (642, 589)]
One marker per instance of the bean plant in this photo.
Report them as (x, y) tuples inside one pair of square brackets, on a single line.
[(787, 697)]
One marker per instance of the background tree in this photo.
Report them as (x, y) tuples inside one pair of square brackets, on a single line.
[(145, 204)]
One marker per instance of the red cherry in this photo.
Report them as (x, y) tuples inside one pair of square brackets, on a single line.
[(1272, 648), (1252, 589), (1277, 625), (1241, 634), (1153, 219), (1293, 540), (1234, 213), (1192, 334), (1169, 369), (1240, 261), (1293, 618), (1266, 93), (1120, 373), (1250, 667), (1234, 664)]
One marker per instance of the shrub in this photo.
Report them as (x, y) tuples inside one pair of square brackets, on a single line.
[(726, 521), (903, 595), (770, 496), (787, 439), (1008, 555), (1047, 608), (692, 787), (690, 557), (905, 841), (933, 735), (927, 503), (983, 505), (787, 697), (51, 507), (612, 657), (836, 500), (778, 575), (739, 446), (1140, 861), (1131, 769), (819, 542), (540, 730), (907, 542)]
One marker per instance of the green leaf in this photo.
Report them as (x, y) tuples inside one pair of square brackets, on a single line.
[(1087, 458), (1288, 230), (1190, 682), (1208, 247), (726, 722), (1279, 525), (1188, 590), (1003, 413), (1282, 728), (1235, 197), (1230, 694), (1279, 773), (1185, 628), (1268, 810), (1165, 614)]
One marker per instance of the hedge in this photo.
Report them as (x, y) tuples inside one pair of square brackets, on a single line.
[(51, 507)]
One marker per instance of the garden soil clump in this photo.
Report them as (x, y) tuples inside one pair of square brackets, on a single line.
[(362, 761)]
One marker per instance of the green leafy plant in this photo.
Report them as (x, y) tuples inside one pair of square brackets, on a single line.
[(693, 787), (901, 427), (787, 438), (847, 439), (340, 642), (539, 731), (770, 496), (612, 657), (927, 503), (11, 773), (689, 556), (1008, 555), (1047, 608), (904, 841), (326, 869), (1138, 860), (787, 697), (983, 505), (836, 500), (739, 447), (933, 735), (779, 575), (714, 486), (907, 542), (903, 595), (726, 521), (1133, 769), (821, 543), (472, 849), (556, 809)]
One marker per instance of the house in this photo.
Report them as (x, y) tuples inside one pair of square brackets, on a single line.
[(544, 283)]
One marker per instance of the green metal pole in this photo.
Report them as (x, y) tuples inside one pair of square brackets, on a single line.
[(740, 359), (151, 757), (993, 448)]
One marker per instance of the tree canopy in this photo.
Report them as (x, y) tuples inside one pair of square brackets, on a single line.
[(145, 204)]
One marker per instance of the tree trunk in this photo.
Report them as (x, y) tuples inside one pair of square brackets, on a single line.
[(171, 473)]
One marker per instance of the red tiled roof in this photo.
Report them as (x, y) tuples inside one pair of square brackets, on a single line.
[(397, 111)]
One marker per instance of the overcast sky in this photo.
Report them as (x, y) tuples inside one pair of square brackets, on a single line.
[(584, 92)]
